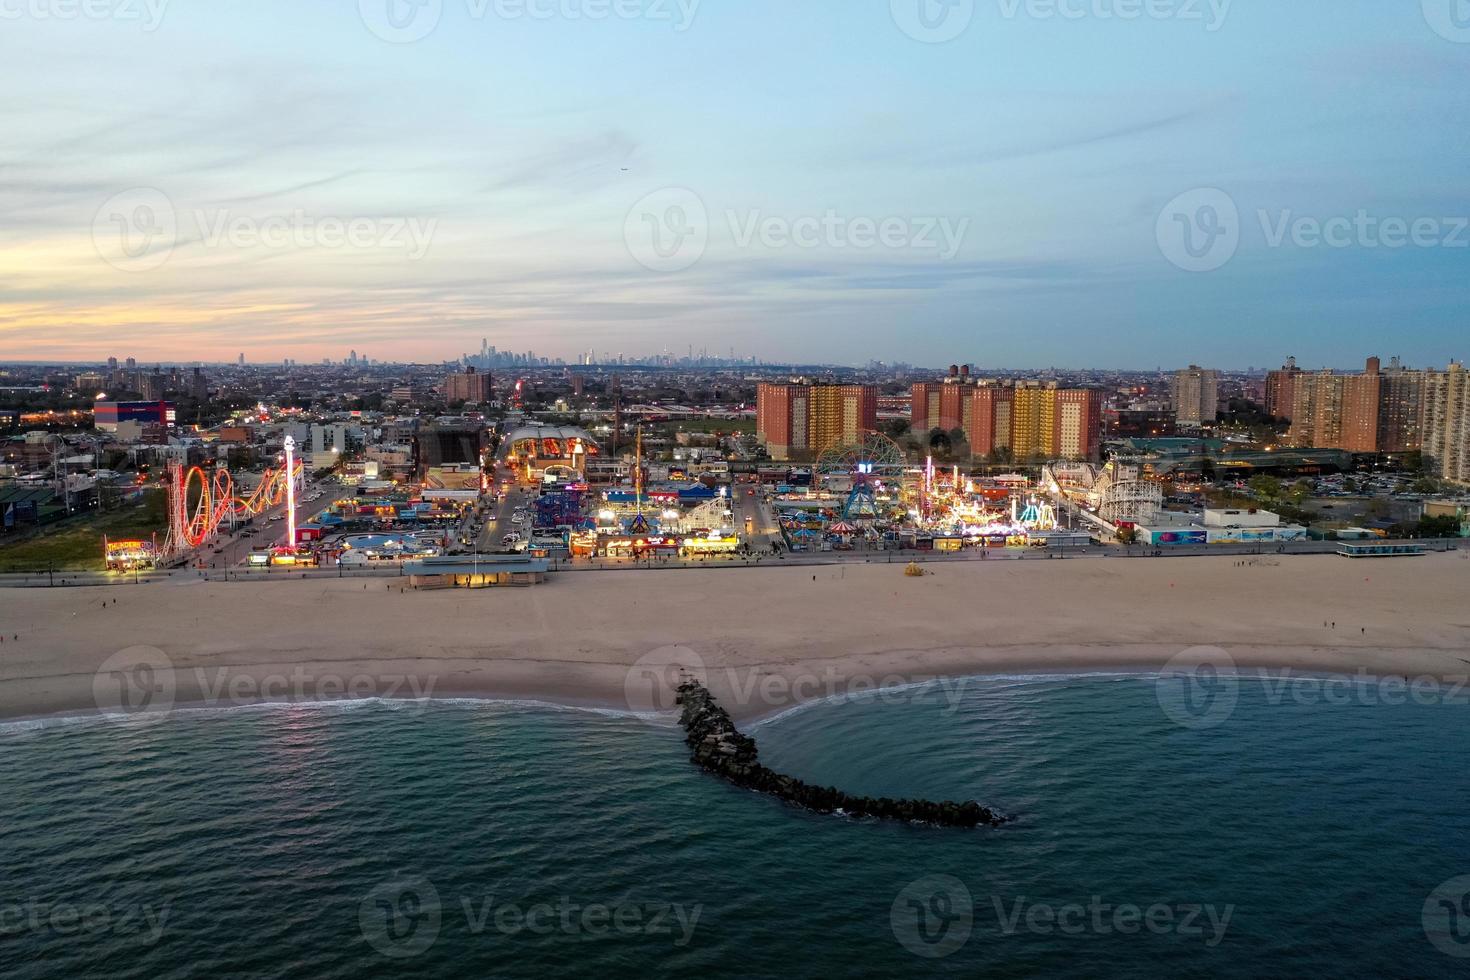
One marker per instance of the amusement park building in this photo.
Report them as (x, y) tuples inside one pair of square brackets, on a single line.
[(799, 420)]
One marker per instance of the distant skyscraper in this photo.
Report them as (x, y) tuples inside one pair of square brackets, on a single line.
[(1195, 395)]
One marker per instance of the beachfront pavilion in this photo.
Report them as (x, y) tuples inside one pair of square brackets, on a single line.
[(533, 450), (476, 571)]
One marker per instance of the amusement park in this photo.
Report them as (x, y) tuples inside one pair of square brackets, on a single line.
[(864, 495), (205, 504)]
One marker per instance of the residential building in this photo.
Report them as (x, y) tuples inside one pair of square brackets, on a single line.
[(798, 421), (1195, 395)]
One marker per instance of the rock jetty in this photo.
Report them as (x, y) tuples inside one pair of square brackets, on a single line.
[(716, 745)]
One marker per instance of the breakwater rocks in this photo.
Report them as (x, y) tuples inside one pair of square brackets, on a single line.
[(716, 745)]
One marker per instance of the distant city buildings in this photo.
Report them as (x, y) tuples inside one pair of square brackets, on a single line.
[(1387, 410), (799, 421), (1375, 411), (1195, 395)]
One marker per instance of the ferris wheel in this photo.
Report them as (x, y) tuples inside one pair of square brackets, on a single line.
[(871, 452)]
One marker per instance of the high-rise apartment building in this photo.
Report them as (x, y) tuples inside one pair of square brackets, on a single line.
[(942, 404), (1033, 420), (1281, 389), (1195, 395), (1446, 413), (797, 421), (468, 386)]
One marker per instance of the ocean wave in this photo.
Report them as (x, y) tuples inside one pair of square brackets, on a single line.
[(31, 726)]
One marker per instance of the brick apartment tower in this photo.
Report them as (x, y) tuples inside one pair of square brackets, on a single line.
[(800, 421)]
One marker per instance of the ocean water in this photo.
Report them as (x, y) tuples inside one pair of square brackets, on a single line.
[(1289, 836)]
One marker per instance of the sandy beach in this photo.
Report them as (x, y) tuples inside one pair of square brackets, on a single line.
[(763, 637)]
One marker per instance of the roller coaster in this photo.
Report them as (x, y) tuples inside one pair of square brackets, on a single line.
[(200, 502)]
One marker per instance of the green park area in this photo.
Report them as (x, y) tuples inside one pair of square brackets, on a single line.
[(75, 543)]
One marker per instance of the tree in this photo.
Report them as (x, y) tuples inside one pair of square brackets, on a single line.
[(1446, 526), (1127, 535), (897, 429), (1266, 488)]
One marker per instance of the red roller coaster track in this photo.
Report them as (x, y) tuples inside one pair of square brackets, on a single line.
[(215, 501)]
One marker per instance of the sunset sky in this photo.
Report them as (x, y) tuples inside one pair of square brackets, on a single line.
[(190, 180)]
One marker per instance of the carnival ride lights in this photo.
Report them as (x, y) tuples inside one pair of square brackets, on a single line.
[(216, 502)]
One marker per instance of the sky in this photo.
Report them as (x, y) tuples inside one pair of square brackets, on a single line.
[(1021, 183)]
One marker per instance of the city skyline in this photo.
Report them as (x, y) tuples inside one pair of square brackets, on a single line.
[(347, 184)]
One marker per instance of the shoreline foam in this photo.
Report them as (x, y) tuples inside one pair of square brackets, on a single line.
[(769, 638)]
